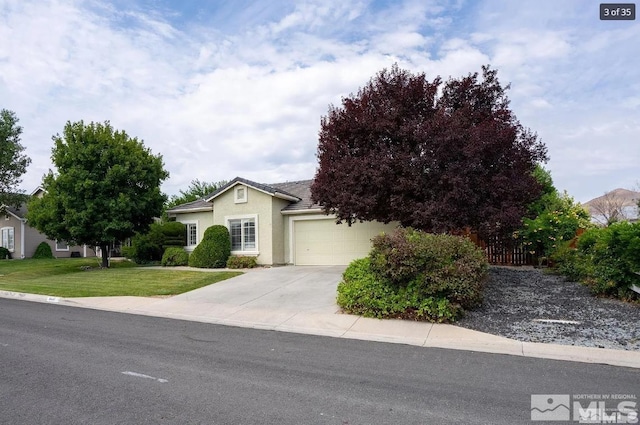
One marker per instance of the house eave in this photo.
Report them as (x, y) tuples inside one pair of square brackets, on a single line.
[(275, 194), (286, 197), (305, 211), (5, 210), (190, 210)]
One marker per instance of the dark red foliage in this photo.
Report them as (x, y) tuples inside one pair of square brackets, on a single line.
[(437, 157)]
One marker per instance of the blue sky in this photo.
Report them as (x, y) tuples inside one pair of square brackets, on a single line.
[(224, 89)]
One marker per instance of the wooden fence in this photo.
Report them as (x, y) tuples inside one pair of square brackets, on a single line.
[(503, 251)]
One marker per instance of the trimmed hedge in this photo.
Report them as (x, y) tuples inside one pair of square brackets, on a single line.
[(4, 253), (415, 275), (149, 247), (43, 250), (174, 234), (214, 249), (174, 256), (239, 262)]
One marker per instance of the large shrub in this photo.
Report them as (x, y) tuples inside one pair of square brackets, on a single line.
[(174, 234), (362, 292), (145, 248), (606, 260), (558, 222), (443, 266), (43, 250), (149, 247), (5, 254), (614, 253), (214, 249), (174, 256), (412, 274)]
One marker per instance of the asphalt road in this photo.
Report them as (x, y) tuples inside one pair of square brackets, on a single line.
[(64, 365)]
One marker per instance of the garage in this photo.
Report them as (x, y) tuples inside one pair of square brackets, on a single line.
[(322, 242)]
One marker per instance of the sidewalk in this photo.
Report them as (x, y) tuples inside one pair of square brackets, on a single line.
[(319, 321)]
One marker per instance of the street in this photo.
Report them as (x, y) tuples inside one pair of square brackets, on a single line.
[(64, 365)]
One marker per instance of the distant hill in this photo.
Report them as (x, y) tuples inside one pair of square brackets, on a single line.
[(618, 204)]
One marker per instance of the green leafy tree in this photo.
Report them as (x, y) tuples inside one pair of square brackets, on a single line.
[(197, 189), (549, 195), (106, 188), (13, 162)]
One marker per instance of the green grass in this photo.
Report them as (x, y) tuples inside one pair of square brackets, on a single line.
[(68, 278)]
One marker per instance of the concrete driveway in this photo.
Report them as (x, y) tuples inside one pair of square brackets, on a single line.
[(264, 296)]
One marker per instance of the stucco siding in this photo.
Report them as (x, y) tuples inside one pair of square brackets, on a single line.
[(279, 237), (258, 205), (202, 219)]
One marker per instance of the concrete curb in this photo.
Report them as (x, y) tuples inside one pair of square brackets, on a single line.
[(347, 326)]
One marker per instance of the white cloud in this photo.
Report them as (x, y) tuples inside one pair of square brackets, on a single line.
[(240, 91)]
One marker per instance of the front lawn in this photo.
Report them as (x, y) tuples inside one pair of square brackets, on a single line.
[(81, 277)]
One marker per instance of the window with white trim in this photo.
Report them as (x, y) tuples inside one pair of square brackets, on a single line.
[(62, 246), (192, 234), (243, 234), (7, 237), (240, 194)]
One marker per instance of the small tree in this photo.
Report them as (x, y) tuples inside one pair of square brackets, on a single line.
[(214, 249), (106, 187), (13, 163), (399, 150)]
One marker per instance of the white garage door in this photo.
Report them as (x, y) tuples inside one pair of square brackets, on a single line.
[(323, 242)]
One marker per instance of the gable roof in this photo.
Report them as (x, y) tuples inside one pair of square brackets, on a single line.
[(193, 206), (297, 192), (268, 189), (18, 213)]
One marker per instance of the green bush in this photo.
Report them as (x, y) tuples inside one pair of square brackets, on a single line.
[(571, 263), (415, 275), (4, 253), (145, 248), (362, 292), (43, 250), (615, 255), (558, 222), (240, 262), (605, 260), (174, 234), (149, 247), (214, 249), (174, 256), (441, 266)]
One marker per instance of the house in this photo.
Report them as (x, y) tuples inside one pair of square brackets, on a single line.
[(616, 205), (22, 240), (277, 223)]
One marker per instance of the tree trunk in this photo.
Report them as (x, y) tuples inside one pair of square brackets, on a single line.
[(104, 249)]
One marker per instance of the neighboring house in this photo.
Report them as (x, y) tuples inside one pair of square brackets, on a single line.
[(616, 205), (22, 240), (277, 223)]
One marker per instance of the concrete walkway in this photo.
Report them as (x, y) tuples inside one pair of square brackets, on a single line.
[(302, 300)]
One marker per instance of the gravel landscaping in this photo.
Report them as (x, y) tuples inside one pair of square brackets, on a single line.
[(528, 304)]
